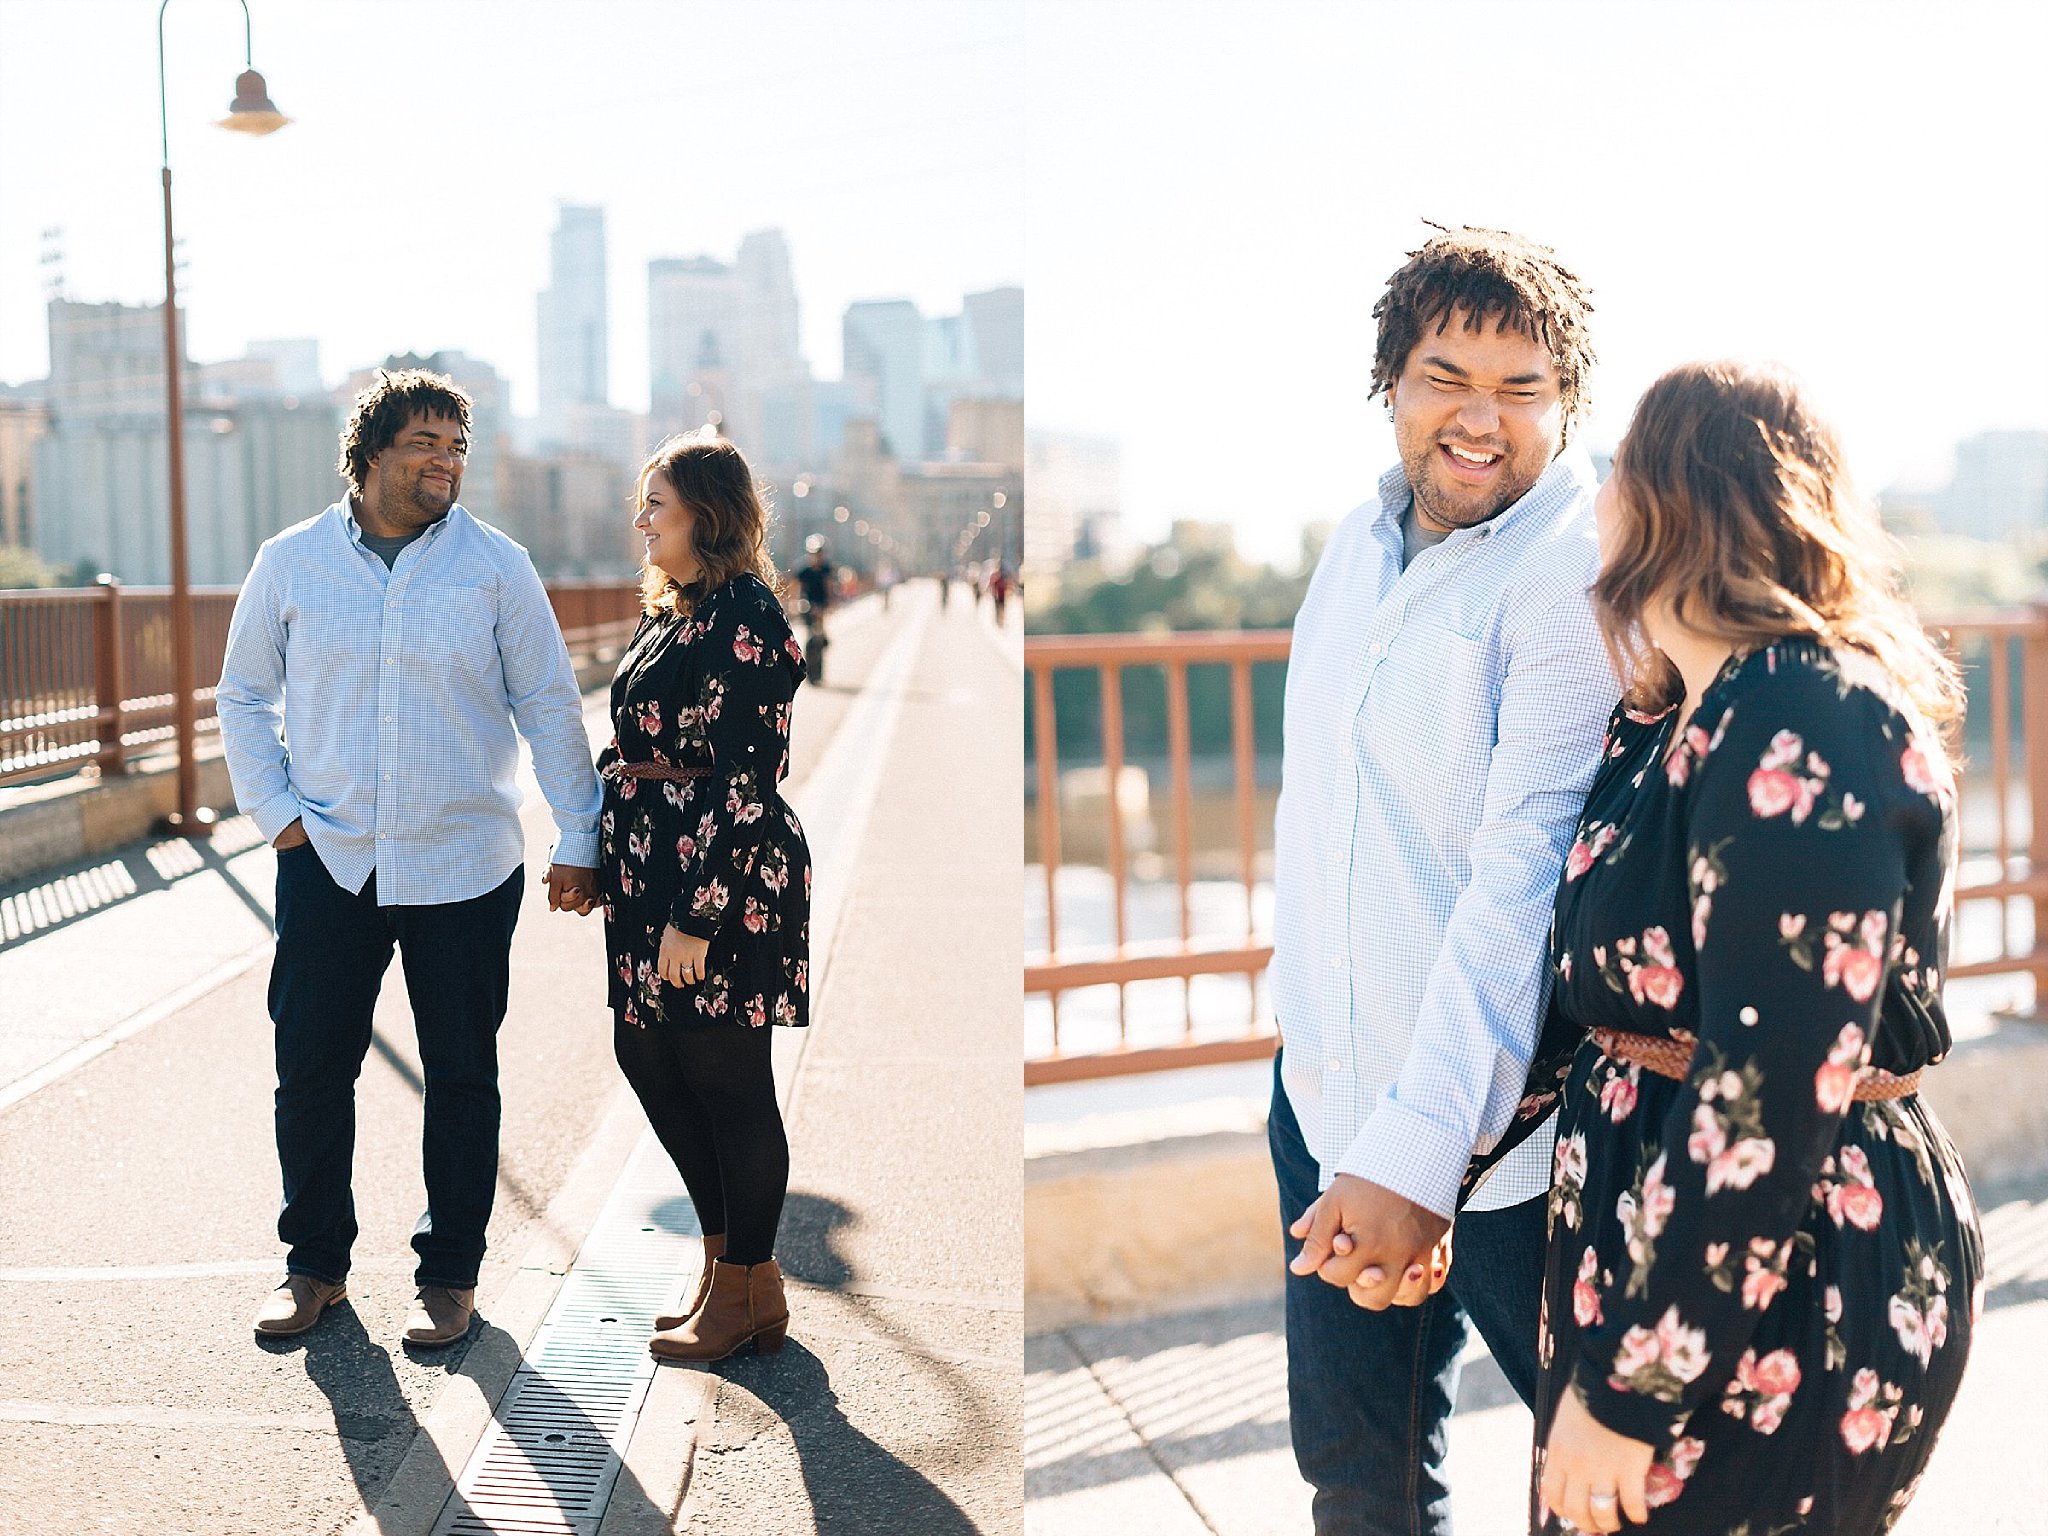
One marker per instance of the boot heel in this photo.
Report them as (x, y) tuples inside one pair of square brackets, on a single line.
[(769, 1341)]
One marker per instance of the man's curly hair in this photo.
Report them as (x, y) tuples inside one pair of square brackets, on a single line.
[(1496, 278), (381, 412)]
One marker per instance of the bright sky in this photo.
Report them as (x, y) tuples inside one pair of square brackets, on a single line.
[(1219, 191), (410, 202)]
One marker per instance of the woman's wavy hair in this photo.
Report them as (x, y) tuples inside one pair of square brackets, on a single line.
[(730, 519), (1737, 510)]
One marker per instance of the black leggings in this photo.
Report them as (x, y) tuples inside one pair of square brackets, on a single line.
[(709, 1092)]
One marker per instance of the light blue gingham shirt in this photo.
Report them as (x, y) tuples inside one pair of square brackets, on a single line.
[(379, 706), (1442, 727)]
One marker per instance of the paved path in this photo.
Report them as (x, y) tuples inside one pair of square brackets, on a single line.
[(140, 1195), (1177, 1426)]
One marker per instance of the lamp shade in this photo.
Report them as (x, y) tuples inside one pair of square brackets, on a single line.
[(252, 110)]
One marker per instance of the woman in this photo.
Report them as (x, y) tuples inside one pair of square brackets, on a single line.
[(706, 877), (1763, 1256)]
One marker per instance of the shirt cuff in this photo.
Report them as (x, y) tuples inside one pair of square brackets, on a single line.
[(275, 814), (578, 850), (1411, 1155)]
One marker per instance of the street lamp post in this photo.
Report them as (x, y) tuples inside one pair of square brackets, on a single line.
[(250, 112)]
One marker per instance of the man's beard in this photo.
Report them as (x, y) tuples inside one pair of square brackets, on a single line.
[(421, 505), (1448, 514)]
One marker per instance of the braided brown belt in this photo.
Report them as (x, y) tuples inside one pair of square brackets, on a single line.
[(620, 769), (1673, 1059)]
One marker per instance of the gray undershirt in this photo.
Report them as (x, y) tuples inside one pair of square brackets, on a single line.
[(1415, 538), (387, 549)]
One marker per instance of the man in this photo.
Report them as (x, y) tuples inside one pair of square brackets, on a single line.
[(379, 658), (1445, 705), (814, 580)]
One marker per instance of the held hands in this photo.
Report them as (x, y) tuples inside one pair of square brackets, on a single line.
[(681, 960), (571, 888), (1591, 1475), (1384, 1249)]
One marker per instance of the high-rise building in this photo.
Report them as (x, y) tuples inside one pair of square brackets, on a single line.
[(919, 366), (1076, 498), (255, 461), (574, 358), (2000, 486), (24, 417), (995, 322), (884, 341), (723, 338)]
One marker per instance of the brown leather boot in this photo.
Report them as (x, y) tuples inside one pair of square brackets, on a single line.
[(745, 1304), (714, 1249)]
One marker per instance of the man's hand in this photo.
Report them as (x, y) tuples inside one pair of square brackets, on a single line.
[(1372, 1242), (1591, 1475), (681, 960), (291, 836), (571, 888)]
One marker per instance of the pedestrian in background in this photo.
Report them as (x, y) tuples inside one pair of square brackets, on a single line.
[(707, 878), (380, 658)]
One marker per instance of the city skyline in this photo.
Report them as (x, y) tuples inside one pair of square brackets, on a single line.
[(786, 133), (1824, 186)]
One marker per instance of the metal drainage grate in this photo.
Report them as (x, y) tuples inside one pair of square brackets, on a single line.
[(548, 1462)]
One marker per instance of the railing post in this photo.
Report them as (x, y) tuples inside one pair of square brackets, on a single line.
[(2034, 744), (110, 679)]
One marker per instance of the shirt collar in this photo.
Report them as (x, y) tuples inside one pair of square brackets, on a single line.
[(1566, 478), (347, 507)]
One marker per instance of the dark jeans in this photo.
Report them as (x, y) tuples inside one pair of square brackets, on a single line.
[(332, 952), (1369, 1394)]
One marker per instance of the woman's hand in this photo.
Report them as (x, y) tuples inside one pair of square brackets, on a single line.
[(1587, 1460), (681, 961)]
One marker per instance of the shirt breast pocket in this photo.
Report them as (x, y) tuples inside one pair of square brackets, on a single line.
[(1432, 712), (454, 629)]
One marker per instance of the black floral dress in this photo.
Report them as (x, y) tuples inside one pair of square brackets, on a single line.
[(721, 857), (1767, 1279)]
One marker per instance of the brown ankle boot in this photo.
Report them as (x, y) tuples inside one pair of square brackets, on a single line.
[(745, 1303), (714, 1248)]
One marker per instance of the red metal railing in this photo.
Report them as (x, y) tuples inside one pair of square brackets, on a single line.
[(2007, 655), (85, 673)]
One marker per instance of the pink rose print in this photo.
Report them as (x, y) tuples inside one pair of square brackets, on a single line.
[(744, 645), (1585, 1293), (1855, 1199), (1660, 1364), (1834, 1085), (1778, 1372), (1667, 1475), (755, 918), (1918, 770), (1587, 850), (1658, 982), (1873, 1406), (757, 1012), (1618, 1096)]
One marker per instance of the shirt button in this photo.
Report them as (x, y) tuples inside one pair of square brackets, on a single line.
[(387, 778), (383, 834), (1336, 1064), (387, 719), (390, 661), (1336, 964)]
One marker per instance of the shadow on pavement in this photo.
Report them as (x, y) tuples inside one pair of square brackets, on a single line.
[(373, 1422), (376, 1427), (55, 899), (853, 1483)]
